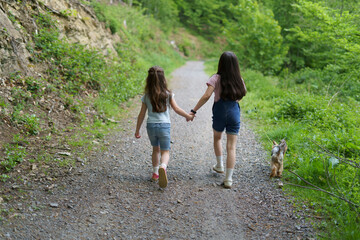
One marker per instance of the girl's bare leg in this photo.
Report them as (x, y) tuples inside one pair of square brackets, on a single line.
[(231, 150), (230, 160), (165, 155), (217, 143), (155, 156), (219, 166)]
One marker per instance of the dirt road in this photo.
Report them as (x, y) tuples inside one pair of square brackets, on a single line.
[(112, 196)]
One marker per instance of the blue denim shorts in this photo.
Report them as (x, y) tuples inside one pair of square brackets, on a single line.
[(159, 135), (226, 115)]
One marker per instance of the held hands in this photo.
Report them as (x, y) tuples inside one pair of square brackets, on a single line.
[(190, 117)]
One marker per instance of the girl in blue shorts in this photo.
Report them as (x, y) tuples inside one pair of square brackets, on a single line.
[(229, 88), (158, 99)]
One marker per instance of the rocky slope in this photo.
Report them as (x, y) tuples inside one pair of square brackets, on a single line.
[(76, 22)]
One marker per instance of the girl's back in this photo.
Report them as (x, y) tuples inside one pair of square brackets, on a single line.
[(156, 117)]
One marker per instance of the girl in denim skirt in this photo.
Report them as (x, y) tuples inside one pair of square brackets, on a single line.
[(158, 99), (229, 88)]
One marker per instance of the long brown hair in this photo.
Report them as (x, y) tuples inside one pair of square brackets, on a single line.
[(232, 85), (156, 89)]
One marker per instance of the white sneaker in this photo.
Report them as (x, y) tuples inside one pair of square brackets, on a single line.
[(218, 169), (227, 183)]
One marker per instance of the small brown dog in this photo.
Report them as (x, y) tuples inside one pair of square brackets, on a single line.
[(277, 157)]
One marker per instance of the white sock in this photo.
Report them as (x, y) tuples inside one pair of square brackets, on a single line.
[(163, 165), (219, 161), (156, 170), (229, 173)]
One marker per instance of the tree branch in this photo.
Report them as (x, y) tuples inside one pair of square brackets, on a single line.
[(347, 161), (353, 182), (314, 187)]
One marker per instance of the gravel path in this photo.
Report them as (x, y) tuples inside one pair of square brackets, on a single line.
[(112, 197)]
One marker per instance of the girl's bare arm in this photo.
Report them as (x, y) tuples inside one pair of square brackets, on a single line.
[(140, 119), (179, 110), (204, 98)]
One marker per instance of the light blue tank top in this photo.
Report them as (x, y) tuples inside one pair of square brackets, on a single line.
[(155, 117)]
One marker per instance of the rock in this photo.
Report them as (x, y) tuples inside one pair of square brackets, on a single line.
[(48, 188), (54, 205), (64, 153)]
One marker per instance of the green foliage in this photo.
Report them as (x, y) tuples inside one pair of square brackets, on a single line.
[(79, 67), (352, 6), (4, 177), (323, 39), (143, 39), (256, 37), (33, 86), (72, 63), (20, 96), (165, 11), (283, 13), (204, 16), (135, 29), (303, 118), (14, 155), (31, 124), (246, 27), (329, 36), (330, 41)]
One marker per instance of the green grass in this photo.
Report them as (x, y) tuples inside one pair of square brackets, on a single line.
[(303, 119), (143, 41)]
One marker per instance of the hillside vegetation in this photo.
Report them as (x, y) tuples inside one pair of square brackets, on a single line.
[(299, 58)]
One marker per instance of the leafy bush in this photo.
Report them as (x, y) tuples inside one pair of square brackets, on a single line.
[(14, 155), (31, 124)]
